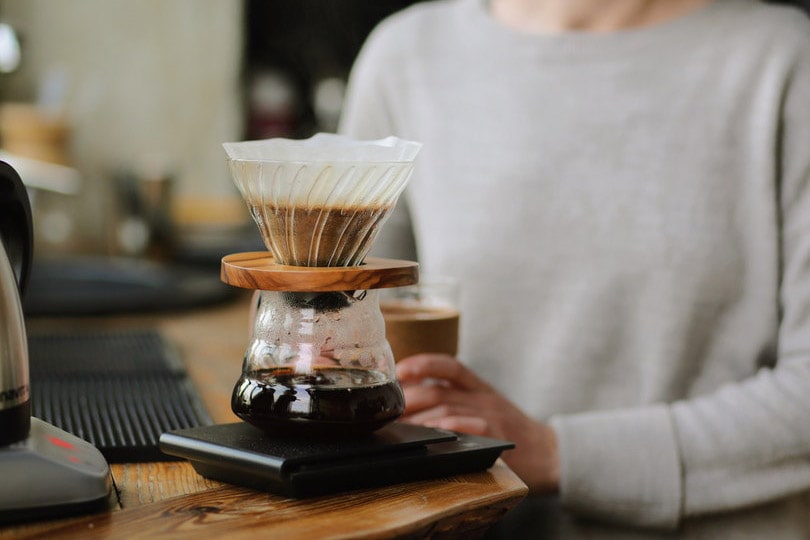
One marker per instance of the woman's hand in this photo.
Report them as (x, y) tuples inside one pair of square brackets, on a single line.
[(441, 392)]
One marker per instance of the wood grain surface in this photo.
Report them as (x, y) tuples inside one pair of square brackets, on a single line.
[(463, 505), (170, 500)]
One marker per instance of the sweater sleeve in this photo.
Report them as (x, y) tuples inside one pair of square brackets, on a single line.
[(746, 443)]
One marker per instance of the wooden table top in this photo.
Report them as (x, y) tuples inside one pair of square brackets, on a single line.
[(169, 499)]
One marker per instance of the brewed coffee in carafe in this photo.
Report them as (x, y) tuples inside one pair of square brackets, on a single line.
[(318, 362)]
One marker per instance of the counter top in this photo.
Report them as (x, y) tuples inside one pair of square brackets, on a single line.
[(169, 499)]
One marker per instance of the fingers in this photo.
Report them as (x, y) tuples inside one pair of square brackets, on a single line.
[(440, 367), (421, 397), (445, 408), (441, 392)]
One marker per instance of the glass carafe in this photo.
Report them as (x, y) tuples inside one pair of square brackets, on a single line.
[(318, 363)]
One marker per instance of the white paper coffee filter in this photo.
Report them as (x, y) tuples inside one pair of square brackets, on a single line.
[(321, 201), (325, 147)]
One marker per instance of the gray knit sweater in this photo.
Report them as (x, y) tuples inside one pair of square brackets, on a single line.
[(629, 216)]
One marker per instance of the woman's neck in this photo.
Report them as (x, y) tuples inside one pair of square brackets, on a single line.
[(557, 16)]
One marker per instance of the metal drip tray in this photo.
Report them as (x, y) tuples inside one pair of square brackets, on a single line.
[(119, 391)]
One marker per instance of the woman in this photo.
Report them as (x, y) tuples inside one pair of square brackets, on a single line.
[(623, 190)]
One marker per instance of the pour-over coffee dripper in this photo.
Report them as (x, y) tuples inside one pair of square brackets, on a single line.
[(318, 376), (320, 201), (318, 362)]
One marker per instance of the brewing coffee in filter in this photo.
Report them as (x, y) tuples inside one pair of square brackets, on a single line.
[(321, 201)]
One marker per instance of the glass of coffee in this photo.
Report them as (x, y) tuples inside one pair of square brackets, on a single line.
[(422, 318)]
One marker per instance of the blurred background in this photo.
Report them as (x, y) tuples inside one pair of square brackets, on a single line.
[(114, 113)]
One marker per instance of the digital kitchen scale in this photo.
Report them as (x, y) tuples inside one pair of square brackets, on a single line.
[(294, 466)]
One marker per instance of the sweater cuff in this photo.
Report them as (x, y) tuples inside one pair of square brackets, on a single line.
[(621, 466)]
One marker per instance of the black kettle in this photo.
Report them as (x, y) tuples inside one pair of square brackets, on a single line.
[(45, 471), (16, 251)]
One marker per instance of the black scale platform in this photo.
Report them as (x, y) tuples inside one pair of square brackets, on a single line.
[(119, 391), (296, 466)]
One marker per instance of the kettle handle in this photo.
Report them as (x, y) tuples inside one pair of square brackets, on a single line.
[(16, 226)]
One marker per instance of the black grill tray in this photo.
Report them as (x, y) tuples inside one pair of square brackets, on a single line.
[(119, 390)]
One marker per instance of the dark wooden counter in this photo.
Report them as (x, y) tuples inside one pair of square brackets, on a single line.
[(169, 499)]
